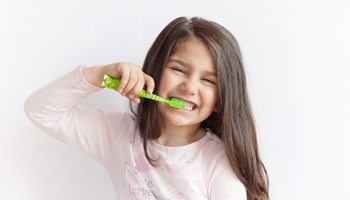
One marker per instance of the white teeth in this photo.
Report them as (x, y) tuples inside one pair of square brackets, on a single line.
[(188, 106)]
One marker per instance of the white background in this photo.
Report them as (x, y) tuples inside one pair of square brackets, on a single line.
[(298, 76)]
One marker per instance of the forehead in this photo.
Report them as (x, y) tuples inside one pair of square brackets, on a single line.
[(193, 54)]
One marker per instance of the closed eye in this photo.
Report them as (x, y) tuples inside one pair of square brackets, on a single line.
[(182, 71), (210, 81), (178, 69)]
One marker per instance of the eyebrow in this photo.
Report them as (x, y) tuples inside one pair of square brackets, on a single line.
[(187, 65)]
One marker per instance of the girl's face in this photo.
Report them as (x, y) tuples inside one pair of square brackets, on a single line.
[(189, 75)]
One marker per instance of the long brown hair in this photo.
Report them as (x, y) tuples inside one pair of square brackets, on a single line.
[(233, 122)]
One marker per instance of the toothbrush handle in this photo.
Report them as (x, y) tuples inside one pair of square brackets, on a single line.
[(145, 94), (113, 83)]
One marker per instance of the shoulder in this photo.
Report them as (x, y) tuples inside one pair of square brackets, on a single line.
[(117, 118), (214, 149), (118, 121), (221, 181)]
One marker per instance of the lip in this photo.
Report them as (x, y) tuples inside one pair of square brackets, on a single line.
[(185, 100)]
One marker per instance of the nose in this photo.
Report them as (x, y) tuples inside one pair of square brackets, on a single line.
[(189, 87)]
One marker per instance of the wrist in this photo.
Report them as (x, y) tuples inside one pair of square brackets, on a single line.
[(93, 75)]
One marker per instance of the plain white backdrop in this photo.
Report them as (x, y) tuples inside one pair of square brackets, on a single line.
[(296, 56)]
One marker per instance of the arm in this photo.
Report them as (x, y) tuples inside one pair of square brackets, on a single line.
[(54, 110)]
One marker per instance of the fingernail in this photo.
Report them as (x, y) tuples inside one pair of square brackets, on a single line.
[(131, 96)]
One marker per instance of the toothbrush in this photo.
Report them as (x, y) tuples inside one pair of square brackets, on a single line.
[(113, 83)]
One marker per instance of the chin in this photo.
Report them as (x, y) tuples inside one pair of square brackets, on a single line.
[(175, 117)]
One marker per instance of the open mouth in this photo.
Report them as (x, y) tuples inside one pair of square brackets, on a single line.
[(190, 106)]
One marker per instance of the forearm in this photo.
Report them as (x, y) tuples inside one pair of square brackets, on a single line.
[(50, 102), (54, 109)]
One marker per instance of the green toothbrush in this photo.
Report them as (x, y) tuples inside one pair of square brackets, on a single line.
[(113, 83)]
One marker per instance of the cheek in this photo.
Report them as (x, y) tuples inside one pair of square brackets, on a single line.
[(210, 97), (166, 83)]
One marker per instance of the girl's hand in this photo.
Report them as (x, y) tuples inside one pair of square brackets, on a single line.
[(132, 78)]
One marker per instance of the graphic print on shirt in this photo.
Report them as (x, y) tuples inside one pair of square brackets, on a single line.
[(141, 188), (136, 186)]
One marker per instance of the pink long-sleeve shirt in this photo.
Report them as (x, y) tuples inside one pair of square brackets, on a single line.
[(199, 170)]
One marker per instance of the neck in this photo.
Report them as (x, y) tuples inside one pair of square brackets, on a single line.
[(180, 135)]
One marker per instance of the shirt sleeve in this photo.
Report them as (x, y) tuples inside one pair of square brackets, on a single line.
[(54, 110), (224, 184)]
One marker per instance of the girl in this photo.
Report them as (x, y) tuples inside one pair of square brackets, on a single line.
[(158, 152)]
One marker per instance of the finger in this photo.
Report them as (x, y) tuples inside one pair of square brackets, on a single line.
[(139, 85), (132, 81), (124, 80), (150, 83), (137, 100)]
